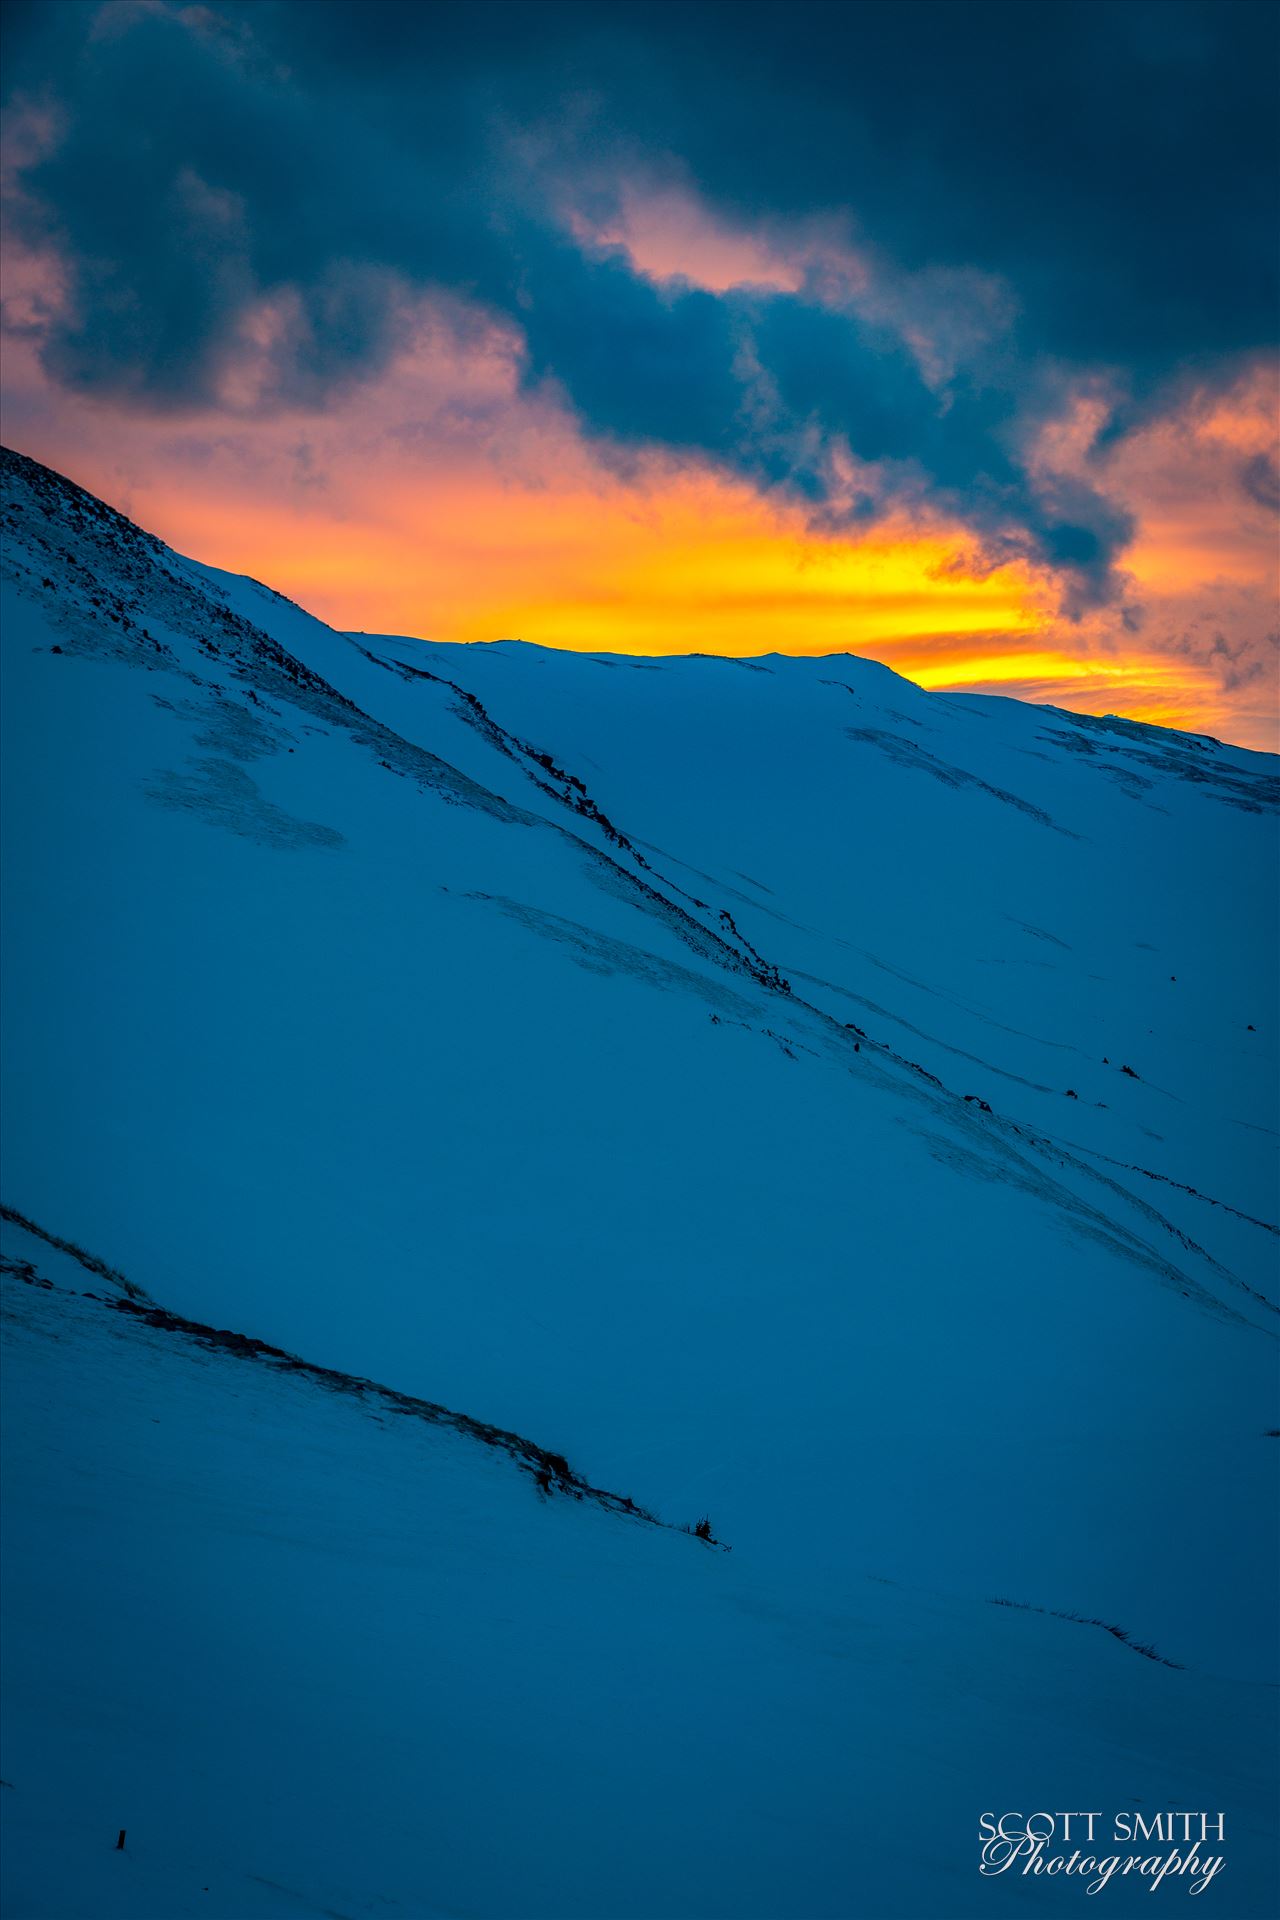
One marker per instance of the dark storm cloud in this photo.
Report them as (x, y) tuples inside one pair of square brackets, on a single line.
[(1117, 162), (1260, 478), (1113, 164)]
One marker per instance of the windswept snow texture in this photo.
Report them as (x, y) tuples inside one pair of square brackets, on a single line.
[(846, 1112)]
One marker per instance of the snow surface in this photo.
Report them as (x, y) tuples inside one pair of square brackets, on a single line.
[(582, 1043)]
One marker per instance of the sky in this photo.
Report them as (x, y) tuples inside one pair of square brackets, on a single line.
[(941, 333)]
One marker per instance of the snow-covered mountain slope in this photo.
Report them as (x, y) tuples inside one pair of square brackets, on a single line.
[(793, 1097), (316, 1656)]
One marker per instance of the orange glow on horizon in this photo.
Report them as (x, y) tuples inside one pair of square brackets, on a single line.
[(699, 567), (692, 574), (693, 565), (383, 517)]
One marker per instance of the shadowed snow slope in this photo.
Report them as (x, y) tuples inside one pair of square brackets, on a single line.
[(790, 1096)]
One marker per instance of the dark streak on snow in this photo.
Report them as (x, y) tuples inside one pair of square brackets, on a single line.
[(89, 1261), (1178, 756), (1121, 1634), (918, 758), (550, 1471), (1166, 1180), (568, 790), (226, 796)]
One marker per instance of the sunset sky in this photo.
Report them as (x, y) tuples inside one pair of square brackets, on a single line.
[(936, 332)]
